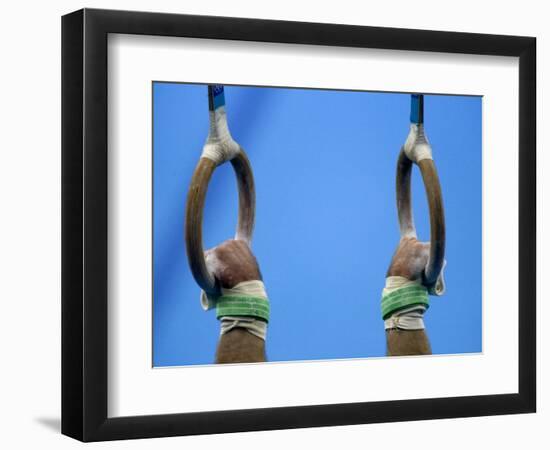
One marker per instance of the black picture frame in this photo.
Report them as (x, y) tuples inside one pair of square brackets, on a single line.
[(84, 224)]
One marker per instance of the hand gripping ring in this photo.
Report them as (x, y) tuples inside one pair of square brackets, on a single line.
[(435, 202), (194, 213)]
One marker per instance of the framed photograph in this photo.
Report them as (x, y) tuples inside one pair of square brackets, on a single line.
[(273, 224)]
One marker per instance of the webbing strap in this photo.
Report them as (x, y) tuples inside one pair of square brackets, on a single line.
[(216, 97), (417, 108)]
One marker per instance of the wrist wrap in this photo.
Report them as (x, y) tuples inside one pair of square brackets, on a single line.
[(404, 297)]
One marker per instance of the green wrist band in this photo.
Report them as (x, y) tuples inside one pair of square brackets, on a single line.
[(242, 305), (403, 298)]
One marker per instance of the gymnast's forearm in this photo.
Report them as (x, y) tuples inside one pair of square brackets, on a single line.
[(407, 342), (240, 346)]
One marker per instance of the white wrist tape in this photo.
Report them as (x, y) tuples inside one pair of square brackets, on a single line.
[(411, 318), (252, 288), (254, 326), (407, 319), (417, 146), (219, 146)]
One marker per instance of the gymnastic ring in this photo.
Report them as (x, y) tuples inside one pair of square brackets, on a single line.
[(194, 214), (437, 217)]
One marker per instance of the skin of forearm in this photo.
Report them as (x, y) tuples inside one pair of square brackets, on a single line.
[(240, 346), (407, 342)]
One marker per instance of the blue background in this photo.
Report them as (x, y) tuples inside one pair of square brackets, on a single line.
[(326, 222)]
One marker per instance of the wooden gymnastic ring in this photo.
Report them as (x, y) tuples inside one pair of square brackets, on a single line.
[(437, 215), (194, 214)]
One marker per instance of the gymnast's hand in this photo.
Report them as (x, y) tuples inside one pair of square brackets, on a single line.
[(232, 262), (410, 259)]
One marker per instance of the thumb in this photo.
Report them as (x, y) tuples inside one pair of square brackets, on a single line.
[(419, 259), (211, 259)]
